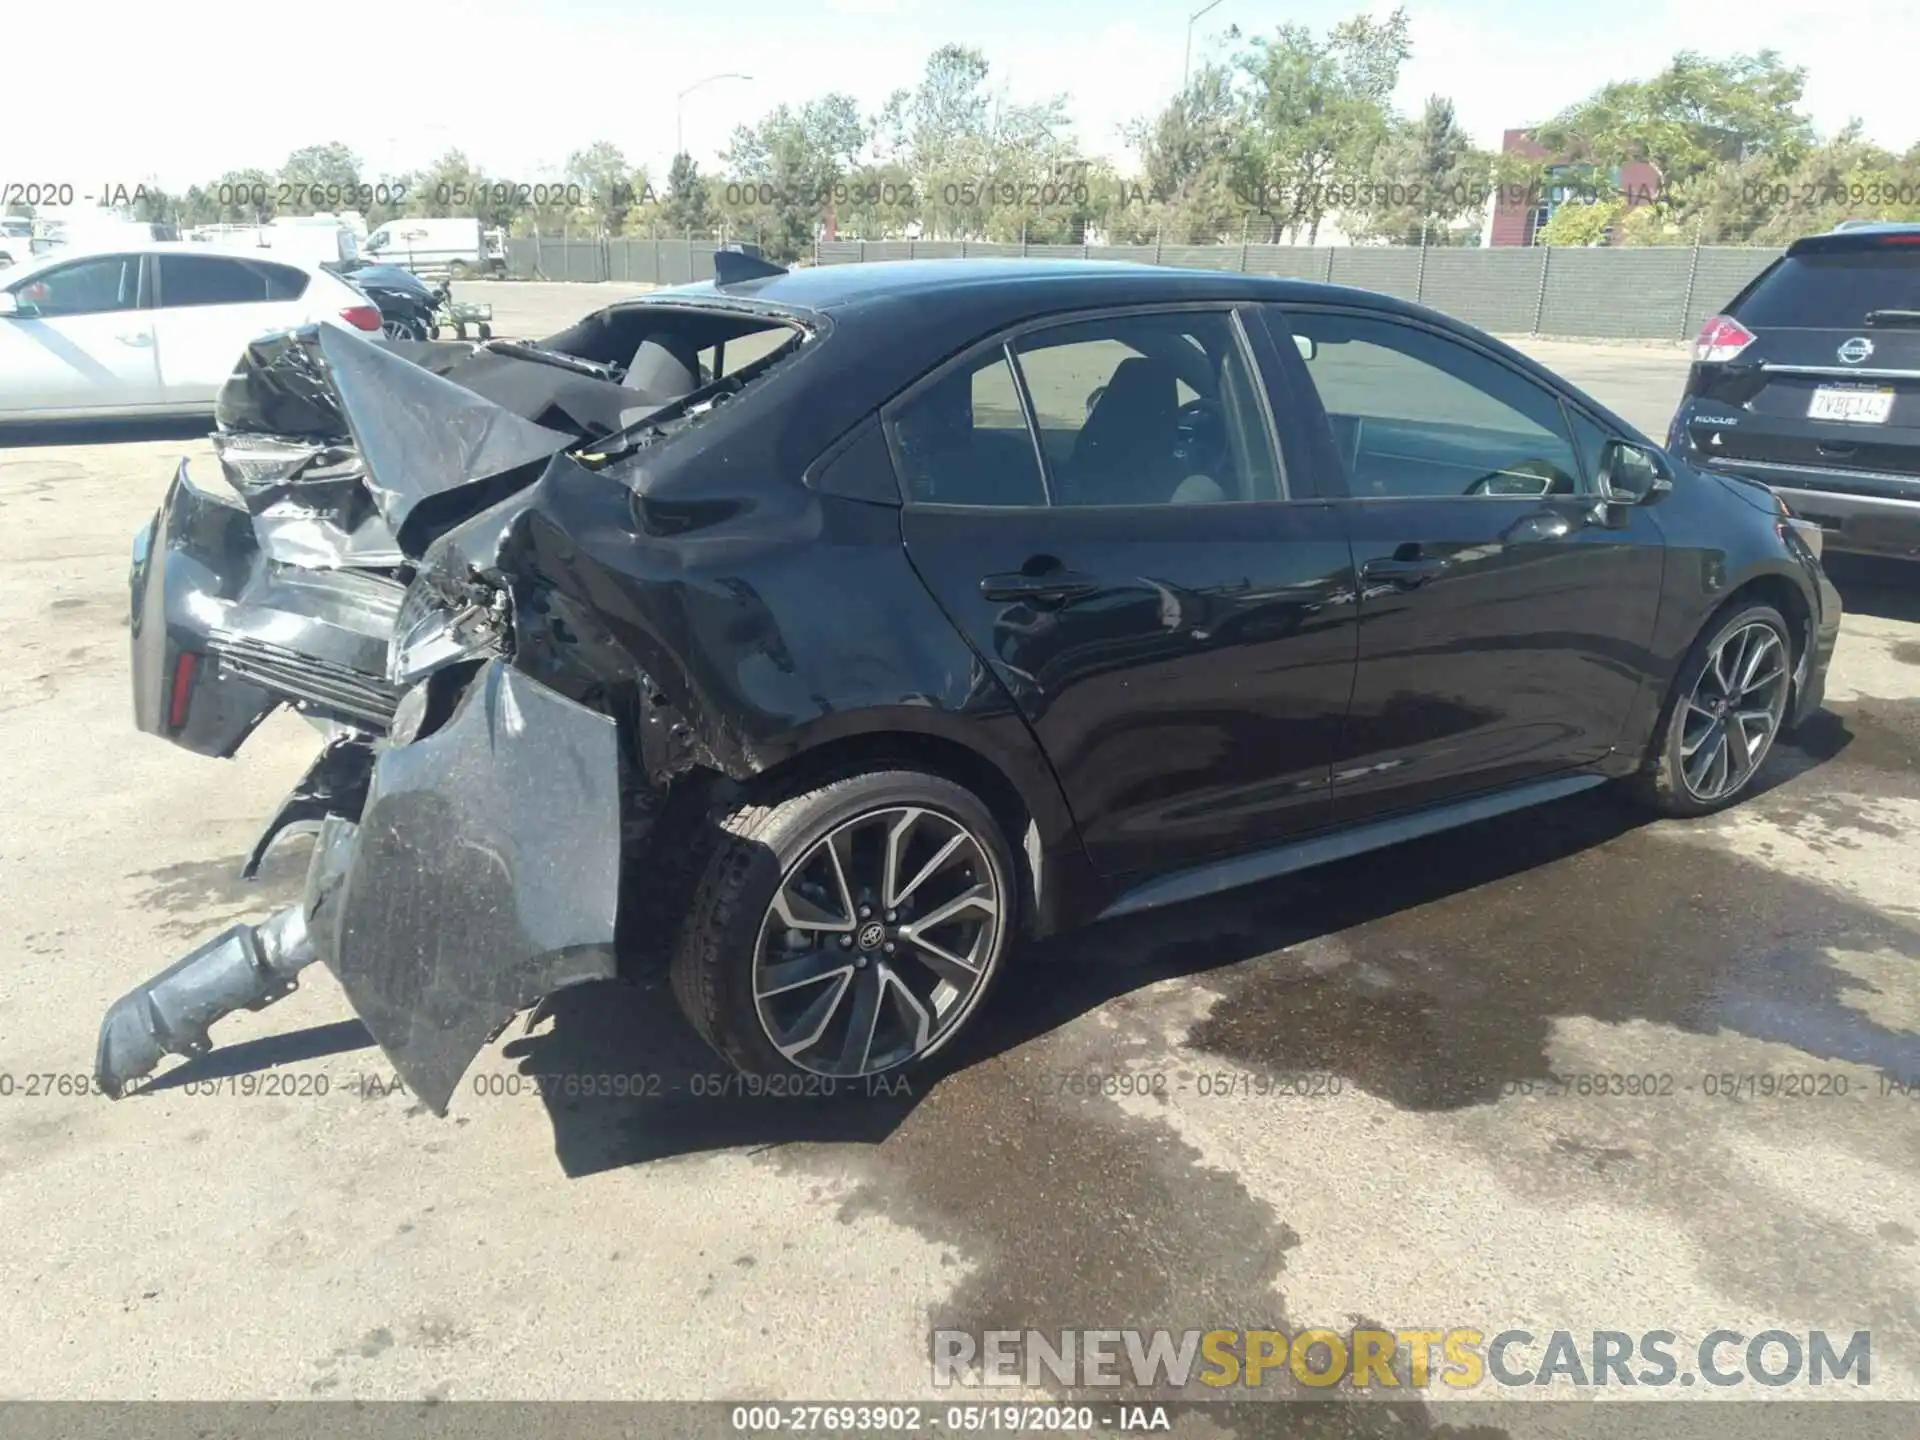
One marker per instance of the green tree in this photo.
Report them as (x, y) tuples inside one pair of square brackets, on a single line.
[(1429, 174), (1701, 124), (783, 171), (1581, 222), (687, 208), (1186, 191), (454, 185), (982, 166), (1315, 115), (610, 188), (243, 197), (321, 177)]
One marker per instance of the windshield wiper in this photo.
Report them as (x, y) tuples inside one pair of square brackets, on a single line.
[(1893, 317)]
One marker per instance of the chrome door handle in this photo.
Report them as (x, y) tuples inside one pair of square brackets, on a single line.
[(1405, 573), (1051, 586), (136, 337)]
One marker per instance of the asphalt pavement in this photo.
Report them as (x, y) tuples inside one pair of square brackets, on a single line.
[(1344, 1107)]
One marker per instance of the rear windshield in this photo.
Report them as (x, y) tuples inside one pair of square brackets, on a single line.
[(1833, 291)]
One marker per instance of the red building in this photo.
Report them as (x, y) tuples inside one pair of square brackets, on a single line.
[(1521, 212)]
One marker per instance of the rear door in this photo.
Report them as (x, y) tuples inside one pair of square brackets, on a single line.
[(209, 307), (87, 348), (1101, 506), (1504, 619), (1832, 377)]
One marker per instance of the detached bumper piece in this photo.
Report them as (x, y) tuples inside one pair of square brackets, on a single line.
[(245, 968), (482, 875)]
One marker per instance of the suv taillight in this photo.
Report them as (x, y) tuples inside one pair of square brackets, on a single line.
[(361, 317), (1721, 338)]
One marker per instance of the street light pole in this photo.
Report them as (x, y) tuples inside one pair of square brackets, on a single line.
[(679, 105), (1186, 63)]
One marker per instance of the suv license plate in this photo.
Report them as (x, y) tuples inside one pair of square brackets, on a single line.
[(1844, 402)]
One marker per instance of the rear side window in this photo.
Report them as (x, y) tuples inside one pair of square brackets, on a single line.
[(219, 280), (964, 440), (1832, 292)]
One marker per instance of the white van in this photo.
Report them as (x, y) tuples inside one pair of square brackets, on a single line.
[(455, 247), (300, 239)]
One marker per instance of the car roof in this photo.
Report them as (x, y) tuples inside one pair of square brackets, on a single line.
[(1073, 282), (105, 246)]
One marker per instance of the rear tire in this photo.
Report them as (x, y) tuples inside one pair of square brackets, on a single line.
[(1727, 706), (849, 929)]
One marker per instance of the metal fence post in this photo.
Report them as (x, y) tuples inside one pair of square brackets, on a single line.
[(1159, 239), (863, 252), (1540, 295), (1326, 275), (1686, 305), (1023, 239), (910, 250), (1420, 275)]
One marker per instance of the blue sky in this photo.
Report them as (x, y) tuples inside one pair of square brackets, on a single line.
[(242, 82)]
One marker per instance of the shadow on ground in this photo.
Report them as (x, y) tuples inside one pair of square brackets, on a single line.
[(1430, 974), (1869, 585), (103, 432)]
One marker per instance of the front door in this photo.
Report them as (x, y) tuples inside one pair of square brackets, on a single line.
[(1100, 505), (83, 345), (1504, 615)]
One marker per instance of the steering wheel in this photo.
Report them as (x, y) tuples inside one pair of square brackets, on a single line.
[(1522, 482), (1202, 427)]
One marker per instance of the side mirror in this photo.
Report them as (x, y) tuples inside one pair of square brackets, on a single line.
[(1307, 346), (12, 305), (1632, 474)]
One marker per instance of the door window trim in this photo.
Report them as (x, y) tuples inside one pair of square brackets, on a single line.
[(1588, 489), (1004, 341)]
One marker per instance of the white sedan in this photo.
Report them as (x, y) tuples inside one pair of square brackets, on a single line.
[(150, 329)]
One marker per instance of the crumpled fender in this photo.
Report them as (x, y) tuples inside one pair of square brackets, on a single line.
[(485, 874)]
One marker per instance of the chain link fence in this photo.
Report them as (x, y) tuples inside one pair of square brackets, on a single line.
[(1651, 293)]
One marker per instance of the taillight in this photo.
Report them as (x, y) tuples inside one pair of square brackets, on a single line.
[(182, 694), (1721, 338), (361, 317)]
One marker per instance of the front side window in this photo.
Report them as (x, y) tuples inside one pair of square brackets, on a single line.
[(94, 286), (1416, 414)]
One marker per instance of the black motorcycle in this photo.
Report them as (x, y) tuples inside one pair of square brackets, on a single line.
[(410, 308)]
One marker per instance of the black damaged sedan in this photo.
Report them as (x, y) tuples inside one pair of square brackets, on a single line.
[(820, 635)]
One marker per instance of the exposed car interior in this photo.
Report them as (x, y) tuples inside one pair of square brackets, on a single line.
[(620, 365)]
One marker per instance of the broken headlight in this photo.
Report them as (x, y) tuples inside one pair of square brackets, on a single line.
[(432, 633)]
